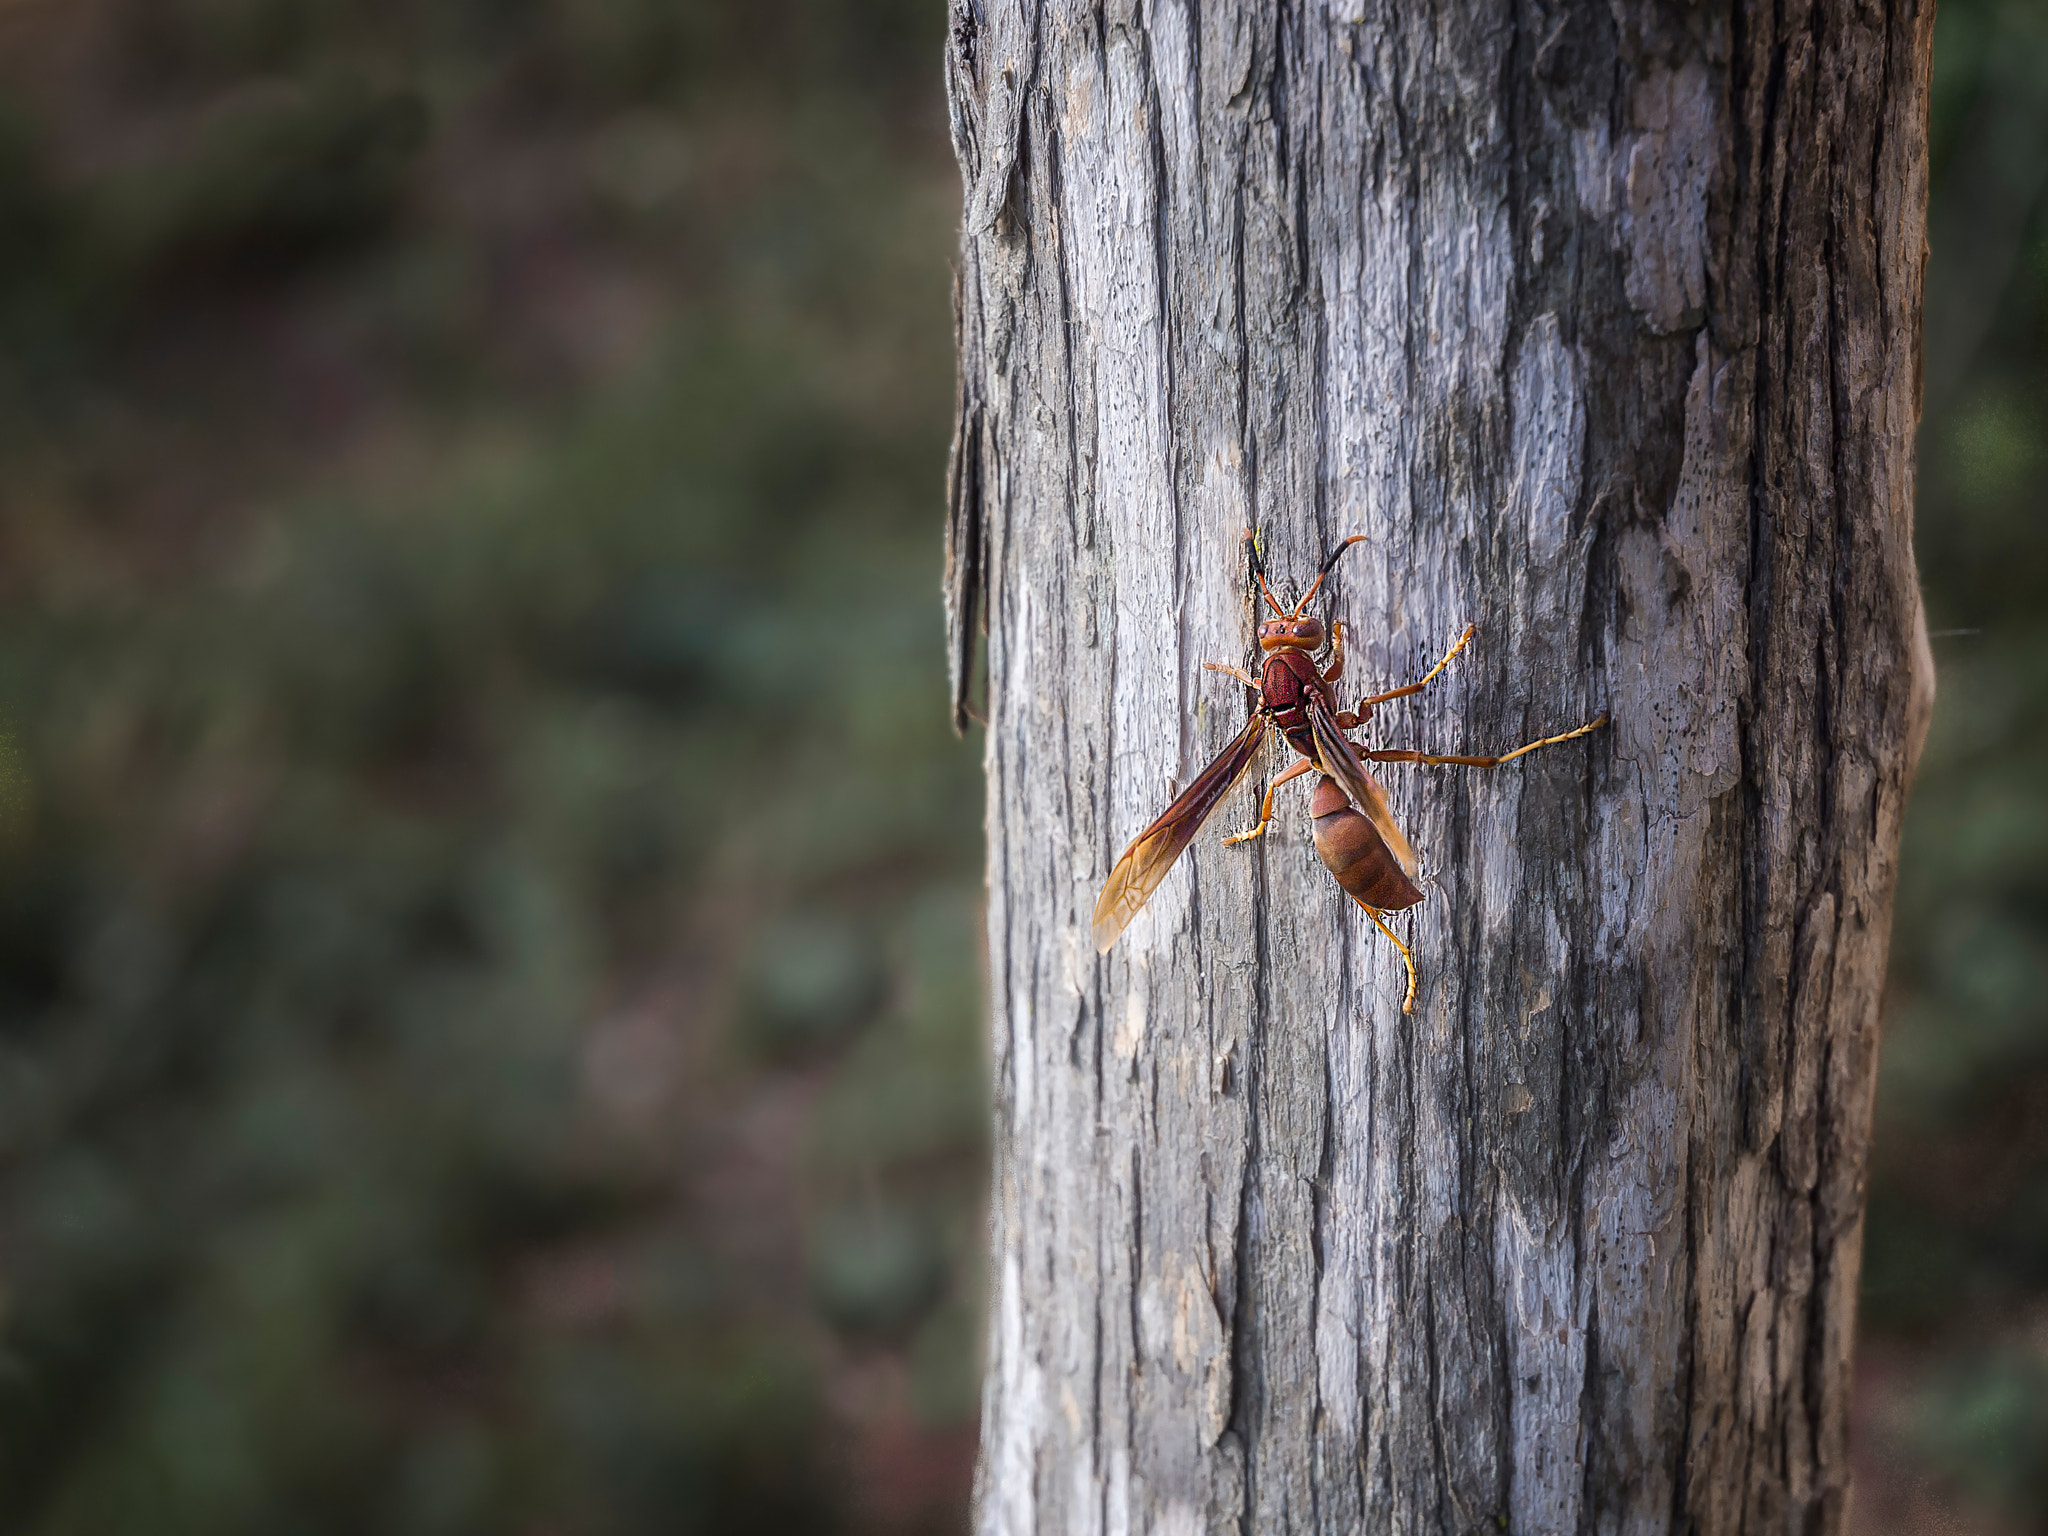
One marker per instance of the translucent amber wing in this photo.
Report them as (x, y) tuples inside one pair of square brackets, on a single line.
[(1152, 852), (1340, 760)]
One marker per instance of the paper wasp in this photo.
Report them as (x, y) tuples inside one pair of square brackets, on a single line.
[(1354, 831)]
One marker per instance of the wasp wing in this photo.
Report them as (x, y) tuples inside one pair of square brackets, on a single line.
[(1340, 760), (1152, 852)]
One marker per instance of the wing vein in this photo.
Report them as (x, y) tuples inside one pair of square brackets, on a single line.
[(1152, 852)]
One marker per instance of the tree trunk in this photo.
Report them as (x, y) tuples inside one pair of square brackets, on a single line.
[(1601, 322)]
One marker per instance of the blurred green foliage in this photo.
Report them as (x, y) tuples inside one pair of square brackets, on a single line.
[(489, 998), (1956, 1268)]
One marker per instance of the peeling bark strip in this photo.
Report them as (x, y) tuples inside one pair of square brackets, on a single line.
[(1601, 322)]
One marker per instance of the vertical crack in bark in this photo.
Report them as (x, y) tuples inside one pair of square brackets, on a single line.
[(1189, 669), (1824, 1242), (1591, 1463), (1774, 193), (1105, 1453), (1433, 1386), (1136, 1256), (1689, 1430), (965, 576), (1319, 1233), (1244, 1342)]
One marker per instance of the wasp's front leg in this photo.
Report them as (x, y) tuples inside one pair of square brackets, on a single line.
[(1237, 672), (1337, 653), (1365, 705)]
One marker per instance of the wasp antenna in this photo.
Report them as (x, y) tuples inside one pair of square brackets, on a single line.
[(1329, 561), (1251, 543)]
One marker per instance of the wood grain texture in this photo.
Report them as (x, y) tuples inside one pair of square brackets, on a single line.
[(1601, 322)]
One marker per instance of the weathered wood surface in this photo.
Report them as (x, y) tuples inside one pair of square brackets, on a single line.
[(1601, 321)]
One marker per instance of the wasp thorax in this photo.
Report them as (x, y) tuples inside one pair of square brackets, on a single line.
[(1291, 633)]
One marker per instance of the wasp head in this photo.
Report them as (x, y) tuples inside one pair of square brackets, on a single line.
[(1292, 632)]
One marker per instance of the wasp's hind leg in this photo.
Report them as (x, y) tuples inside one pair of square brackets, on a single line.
[(1392, 756), (1408, 1002), (1266, 805)]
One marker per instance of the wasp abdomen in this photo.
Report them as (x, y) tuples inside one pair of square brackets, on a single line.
[(1356, 853)]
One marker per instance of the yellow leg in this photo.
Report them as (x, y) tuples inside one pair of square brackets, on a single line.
[(1400, 756), (1408, 1002), (1266, 805), (1337, 658), (1427, 678), (1236, 672)]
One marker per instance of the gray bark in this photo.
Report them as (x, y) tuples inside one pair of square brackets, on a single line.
[(1602, 323)]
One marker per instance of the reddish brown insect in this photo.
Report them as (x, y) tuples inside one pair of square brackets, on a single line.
[(1354, 831)]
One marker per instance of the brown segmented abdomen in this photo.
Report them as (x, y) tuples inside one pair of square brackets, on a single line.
[(1356, 853)]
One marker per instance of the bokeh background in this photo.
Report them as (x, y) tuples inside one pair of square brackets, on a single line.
[(490, 997)]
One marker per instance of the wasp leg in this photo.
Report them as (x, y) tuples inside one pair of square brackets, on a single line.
[(1391, 756), (1266, 806), (1237, 672), (1408, 1002), (1337, 659), (1427, 678)]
